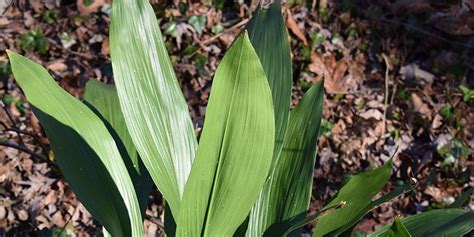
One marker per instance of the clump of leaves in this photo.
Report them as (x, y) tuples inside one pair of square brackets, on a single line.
[(251, 171), (34, 40), (50, 16), (467, 93)]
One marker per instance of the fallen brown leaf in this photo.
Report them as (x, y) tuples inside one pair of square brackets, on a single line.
[(58, 66), (333, 72), (419, 106), (293, 26)]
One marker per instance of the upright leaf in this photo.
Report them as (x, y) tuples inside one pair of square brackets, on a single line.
[(235, 150), (397, 230), (152, 103), (358, 194), (287, 193), (436, 223), (269, 37), (86, 153), (104, 100)]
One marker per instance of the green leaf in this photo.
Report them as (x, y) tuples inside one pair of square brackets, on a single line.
[(289, 225), (235, 150), (442, 222), (348, 227), (397, 230), (104, 99), (86, 152), (152, 103), (267, 32), (358, 194), (198, 23), (288, 191)]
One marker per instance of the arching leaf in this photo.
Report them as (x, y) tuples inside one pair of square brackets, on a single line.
[(85, 151)]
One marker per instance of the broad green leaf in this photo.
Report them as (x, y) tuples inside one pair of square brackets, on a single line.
[(288, 190), (152, 103), (397, 229), (86, 153), (346, 230), (235, 150), (268, 34), (287, 226), (104, 100), (442, 222), (357, 193)]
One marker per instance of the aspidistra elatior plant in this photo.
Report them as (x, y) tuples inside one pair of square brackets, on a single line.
[(250, 175)]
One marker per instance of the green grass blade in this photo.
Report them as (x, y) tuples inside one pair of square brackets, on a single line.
[(86, 152), (153, 105), (235, 150), (357, 193), (104, 100), (288, 191), (268, 34), (442, 222)]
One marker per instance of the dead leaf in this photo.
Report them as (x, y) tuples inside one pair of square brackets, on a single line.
[(4, 5), (414, 71), (293, 26), (105, 47), (334, 73), (372, 113), (435, 193), (23, 215), (4, 21), (419, 106), (57, 66), (29, 19), (437, 121)]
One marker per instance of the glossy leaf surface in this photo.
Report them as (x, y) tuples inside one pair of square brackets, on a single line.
[(235, 150), (152, 103)]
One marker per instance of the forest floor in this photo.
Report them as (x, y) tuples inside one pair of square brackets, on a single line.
[(399, 76)]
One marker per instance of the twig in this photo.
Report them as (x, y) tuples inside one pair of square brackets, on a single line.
[(32, 135), (213, 38), (385, 105), (10, 117), (32, 153)]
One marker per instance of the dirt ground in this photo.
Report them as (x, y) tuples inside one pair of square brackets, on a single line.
[(398, 75)]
